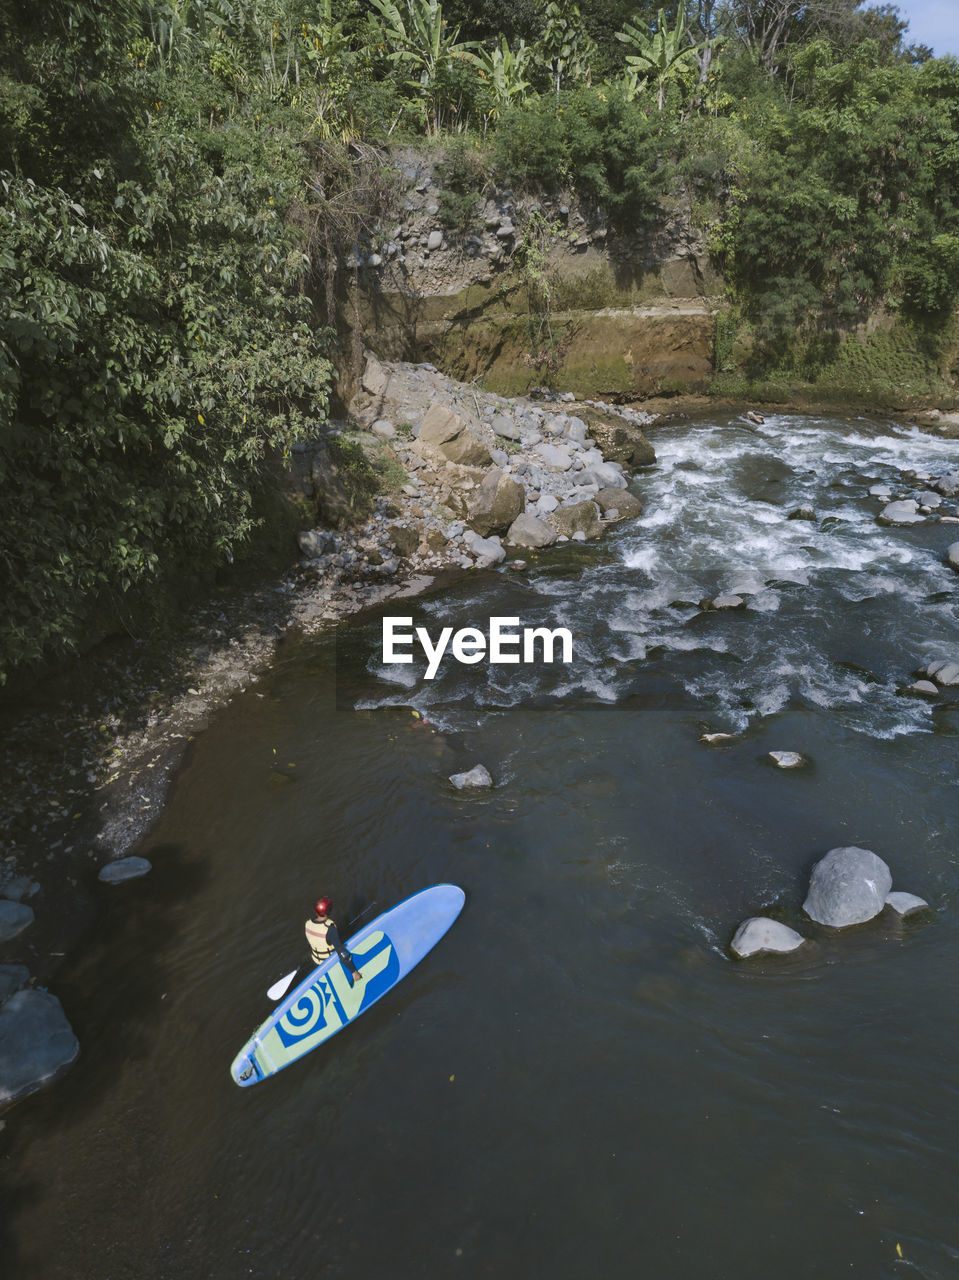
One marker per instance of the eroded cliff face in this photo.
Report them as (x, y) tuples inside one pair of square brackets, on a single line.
[(525, 292)]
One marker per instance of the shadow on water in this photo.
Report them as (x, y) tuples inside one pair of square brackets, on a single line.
[(138, 921)]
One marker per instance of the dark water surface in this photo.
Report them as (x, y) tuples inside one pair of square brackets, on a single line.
[(577, 1081)]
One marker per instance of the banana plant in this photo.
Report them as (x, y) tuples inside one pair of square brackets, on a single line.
[(420, 42), (504, 71), (661, 56)]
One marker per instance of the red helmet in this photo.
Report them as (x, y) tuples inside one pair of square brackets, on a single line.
[(323, 906)]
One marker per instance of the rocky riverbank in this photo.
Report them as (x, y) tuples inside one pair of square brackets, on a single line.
[(474, 478)]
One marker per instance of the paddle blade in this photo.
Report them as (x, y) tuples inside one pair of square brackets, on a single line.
[(279, 988)]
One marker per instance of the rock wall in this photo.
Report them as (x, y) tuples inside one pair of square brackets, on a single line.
[(526, 292)]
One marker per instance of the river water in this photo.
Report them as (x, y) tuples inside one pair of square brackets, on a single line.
[(578, 1080)]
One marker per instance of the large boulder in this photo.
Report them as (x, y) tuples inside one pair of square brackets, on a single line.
[(528, 530), (944, 672), (621, 500), (444, 434), (496, 503), (621, 441), (581, 517), (558, 457), (487, 551), (14, 918), (848, 886), (904, 512), (36, 1043), (952, 555), (759, 933), (947, 484)]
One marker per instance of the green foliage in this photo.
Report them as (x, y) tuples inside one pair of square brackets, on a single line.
[(663, 57), (595, 141), (463, 175)]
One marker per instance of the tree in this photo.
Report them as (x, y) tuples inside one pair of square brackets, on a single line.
[(420, 42), (566, 47), (662, 56)]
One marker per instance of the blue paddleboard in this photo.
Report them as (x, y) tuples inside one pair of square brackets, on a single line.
[(384, 951)]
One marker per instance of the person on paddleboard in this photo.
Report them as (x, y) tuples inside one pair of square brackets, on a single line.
[(324, 939)]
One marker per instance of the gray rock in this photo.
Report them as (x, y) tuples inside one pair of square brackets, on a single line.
[(802, 513), (14, 918), (929, 498), (12, 978), (920, 689), (609, 475), (36, 1043), (384, 429), (487, 551), (529, 531), (504, 426), (759, 934), (547, 503), (714, 739), (404, 540), (556, 456), (722, 602), (952, 555), (315, 543), (478, 776), (901, 513), (577, 430), (848, 886), (435, 240), (906, 903), (787, 759), (944, 673), (624, 502), (947, 485), (500, 458), (581, 517), (506, 231), (19, 888), (496, 503), (883, 491), (124, 869), (446, 435)]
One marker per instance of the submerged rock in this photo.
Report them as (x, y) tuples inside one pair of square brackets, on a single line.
[(726, 602), (12, 978), (713, 739), (759, 933), (124, 869), (906, 903), (944, 672), (901, 513), (787, 759), (36, 1043), (920, 689), (478, 776), (14, 918), (848, 886)]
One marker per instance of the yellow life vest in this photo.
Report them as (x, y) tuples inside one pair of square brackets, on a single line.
[(316, 931)]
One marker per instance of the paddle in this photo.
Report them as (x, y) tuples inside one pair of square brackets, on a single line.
[(280, 987)]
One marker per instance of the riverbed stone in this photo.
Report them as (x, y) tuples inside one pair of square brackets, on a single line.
[(478, 777), (12, 978), (580, 517), (624, 502), (787, 759), (722, 602), (759, 933), (528, 530), (403, 539), (902, 513), (315, 543), (942, 671), (506, 427), (906, 903), (920, 689), (947, 484), (14, 918), (848, 886), (556, 456), (383, 429), (36, 1043), (488, 551), (952, 555), (496, 503), (124, 869), (445, 434)]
